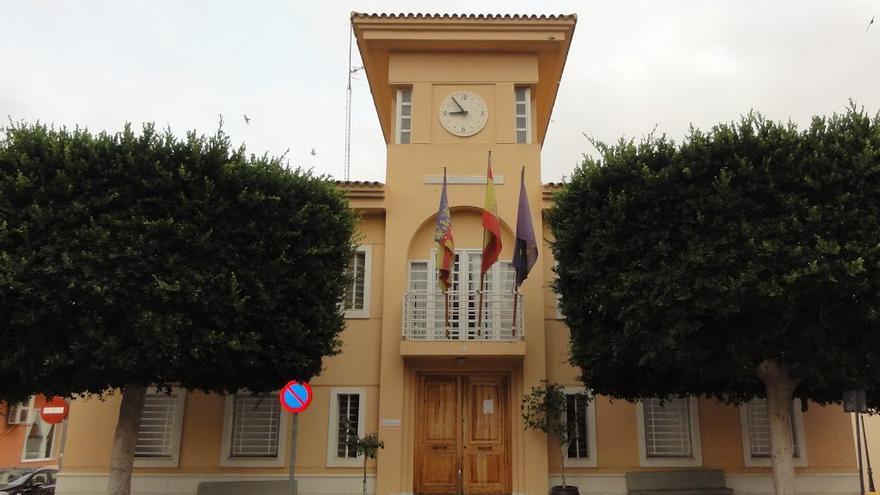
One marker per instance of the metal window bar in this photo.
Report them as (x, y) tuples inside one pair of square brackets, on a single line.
[(255, 424), (758, 419), (576, 423), (667, 427), (155, 433), (347, 424)]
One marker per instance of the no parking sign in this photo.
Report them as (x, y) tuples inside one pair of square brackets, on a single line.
[(295, 397)]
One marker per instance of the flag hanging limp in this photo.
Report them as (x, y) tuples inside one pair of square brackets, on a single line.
[(491, 224), (445, 243), (525, 251)]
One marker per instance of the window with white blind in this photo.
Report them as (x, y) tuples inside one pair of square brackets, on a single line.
[(158, 439), (347, 407), (39, 440), (254, 431), (357, 295), (669, 432), (580, 421), (755, 422), (404, 116), (523, 117)]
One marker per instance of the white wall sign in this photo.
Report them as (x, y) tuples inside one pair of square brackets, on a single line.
[(390, 423)]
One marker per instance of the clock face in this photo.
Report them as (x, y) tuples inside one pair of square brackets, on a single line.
[(463, 113)]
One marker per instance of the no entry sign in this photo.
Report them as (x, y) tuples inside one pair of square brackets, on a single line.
[(55, 410), (295, 397)]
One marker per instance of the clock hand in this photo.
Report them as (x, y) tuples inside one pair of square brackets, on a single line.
[(461, 108)]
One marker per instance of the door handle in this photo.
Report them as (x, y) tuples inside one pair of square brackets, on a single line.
[(438, 447), (484, 448)]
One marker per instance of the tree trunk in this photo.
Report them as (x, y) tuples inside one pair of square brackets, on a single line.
[(780, 390), (365, 474), (125, 439), (562, 464)]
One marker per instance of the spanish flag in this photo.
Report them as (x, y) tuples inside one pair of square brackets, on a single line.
[(491, 224), (443, 236)]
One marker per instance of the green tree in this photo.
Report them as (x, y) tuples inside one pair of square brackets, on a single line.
[(130, 260), (744, 262), (545, 408), (367, 446)]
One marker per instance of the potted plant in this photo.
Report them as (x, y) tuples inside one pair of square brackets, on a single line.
[(544, 408), (367, 446)]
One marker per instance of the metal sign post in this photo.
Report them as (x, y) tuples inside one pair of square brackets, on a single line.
[(295, 398), (291, 487)]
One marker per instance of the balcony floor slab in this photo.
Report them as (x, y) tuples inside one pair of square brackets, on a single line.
[(456, 348)]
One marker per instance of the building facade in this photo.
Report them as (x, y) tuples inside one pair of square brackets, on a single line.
[(440, 382)]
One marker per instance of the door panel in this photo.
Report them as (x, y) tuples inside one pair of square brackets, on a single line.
[(486, 453), (438, 435), (463, 421)]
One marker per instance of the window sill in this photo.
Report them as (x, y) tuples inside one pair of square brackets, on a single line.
[(253, 462), (155, 462), (339, 462), (42, 459), (672, 462), (579, 463), (766, 462), (356, 314)]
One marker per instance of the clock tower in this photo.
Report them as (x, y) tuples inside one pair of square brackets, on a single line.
[(454, 366)]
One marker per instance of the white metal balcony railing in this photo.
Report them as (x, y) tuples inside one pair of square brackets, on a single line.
[(424, 316)]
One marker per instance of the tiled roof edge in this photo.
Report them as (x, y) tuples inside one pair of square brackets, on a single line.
[(359, 183), (477, 17)]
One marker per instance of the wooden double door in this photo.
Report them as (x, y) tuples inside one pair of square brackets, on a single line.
[(463, 435)]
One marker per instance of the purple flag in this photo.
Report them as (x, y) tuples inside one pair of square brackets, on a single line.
[(525, 251)]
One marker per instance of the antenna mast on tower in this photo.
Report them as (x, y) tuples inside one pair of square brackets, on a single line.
[(351, 70)]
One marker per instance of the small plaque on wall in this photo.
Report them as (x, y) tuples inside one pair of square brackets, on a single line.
[(390, 423)]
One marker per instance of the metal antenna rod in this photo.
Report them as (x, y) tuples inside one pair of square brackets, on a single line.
[(347, 173)]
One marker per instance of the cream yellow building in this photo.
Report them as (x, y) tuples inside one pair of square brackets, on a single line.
[(446, 400)]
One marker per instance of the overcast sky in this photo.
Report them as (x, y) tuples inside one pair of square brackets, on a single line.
[(632, 66)]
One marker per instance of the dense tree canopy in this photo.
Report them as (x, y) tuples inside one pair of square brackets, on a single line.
[(683, 267), (147, 259)]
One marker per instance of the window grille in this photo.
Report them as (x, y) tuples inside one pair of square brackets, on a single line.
[(156, 433), (668, 427), (404, 115), (578, 428), (523, 120), (347, 424), (758, 424), (255, 424), (354, 296)]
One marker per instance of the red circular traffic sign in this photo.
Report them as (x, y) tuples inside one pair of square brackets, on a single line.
[(55, 410), (295, 397)]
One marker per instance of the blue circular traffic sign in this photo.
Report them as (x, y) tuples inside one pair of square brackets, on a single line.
[(295, 397)]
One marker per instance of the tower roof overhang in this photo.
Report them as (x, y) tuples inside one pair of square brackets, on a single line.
[(549, 37)]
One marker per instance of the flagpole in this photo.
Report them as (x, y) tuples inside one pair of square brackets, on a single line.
[(515, 299), (482, 273), (446, 301), (480, 306)]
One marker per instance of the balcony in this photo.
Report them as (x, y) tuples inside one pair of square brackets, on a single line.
[(428, 332)]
